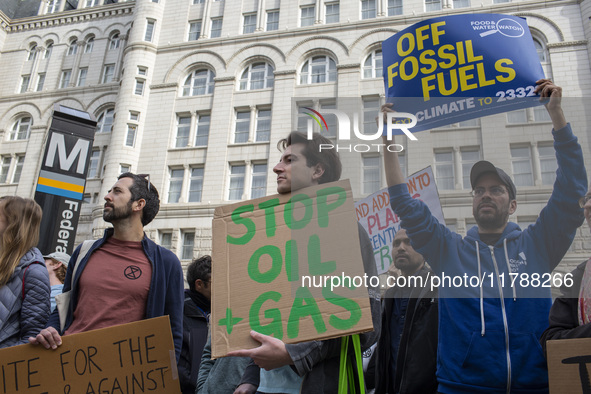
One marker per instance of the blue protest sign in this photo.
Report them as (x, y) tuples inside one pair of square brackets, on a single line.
[(454, 68)]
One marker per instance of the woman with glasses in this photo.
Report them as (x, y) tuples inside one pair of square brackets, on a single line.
[(24, 281)]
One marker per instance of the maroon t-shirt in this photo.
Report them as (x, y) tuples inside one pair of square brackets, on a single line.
[(113, 288)]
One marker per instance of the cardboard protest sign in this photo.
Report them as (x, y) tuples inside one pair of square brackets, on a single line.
[(382, 224), (271, 258), (568, 361), (131, 358), (459, 67)]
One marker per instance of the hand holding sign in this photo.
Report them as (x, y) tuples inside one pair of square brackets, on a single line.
[(551, 95), (270, 355), (48, 337)]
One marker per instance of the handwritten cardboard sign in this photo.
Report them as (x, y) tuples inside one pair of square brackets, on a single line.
[(382, 224), (131, 358), (461, 67), (568, 365), (263, 251)]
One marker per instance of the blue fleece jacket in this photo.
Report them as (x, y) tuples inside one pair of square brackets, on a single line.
[(488, 336), (165, 296)]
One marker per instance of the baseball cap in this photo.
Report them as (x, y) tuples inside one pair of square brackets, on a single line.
[(483, 166), (62, 257)]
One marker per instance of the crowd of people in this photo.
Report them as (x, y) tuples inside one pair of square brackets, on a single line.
[(488, 340)]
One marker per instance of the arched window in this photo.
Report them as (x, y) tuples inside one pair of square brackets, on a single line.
[(21, 128), (105, 121), (89, 44), (257, 76), (198, 83), (73, 49), (318, 69), (48, 49), (114, 41), (372, 67), (543, 55), (32, 52)]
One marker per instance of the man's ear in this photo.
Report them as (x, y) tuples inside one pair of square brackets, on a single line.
[(512, 207), (139, 204), (318, 172), (200, 285)]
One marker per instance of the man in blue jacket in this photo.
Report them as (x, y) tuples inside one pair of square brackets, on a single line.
[(124, 277), (488, 334)]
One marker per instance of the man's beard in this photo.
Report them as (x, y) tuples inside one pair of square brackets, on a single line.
[(492, 221), (117, 213)]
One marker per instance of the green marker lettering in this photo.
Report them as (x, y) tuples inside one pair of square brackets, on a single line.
[(345, 303), (324, 207), (292, 265), (304, 305), (269, 207), (246, 222), (276, 262), (315, 264), (289, 208), (275, 328)]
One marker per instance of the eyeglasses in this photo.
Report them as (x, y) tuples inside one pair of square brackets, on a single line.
[(146, 177), (583, 200), (495, 191)]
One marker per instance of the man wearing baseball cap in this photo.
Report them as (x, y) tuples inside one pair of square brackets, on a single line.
[(57, 264), (488, 333)]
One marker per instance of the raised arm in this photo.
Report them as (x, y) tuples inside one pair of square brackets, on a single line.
[(552, 94), (392, 165)]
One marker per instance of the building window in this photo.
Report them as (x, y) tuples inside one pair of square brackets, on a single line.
[(332, 13), (93, 165), (166, 239), (242, 127), (250, 23), (216, 28), (149, 35), (444, 170), (198, 83), (73, 49), (272, 20), (53, 6), (194, 30), (114, 41), (432, 5), (263, 126), (4, 168), (257, 76), (501, 1), (318, 69), (521, 165), (372, 67), (142, 71), (92, 3), (21, 129), (461, 3), (183, 129), (25, 79), (368, 9), (176, 184), (307, 16), (123, 168), (105, 121), (18, 168), (48, 50), (65, 78), (202, 134), (196, 184), (89, 45), (237, 173), (40, 81), (198, 1), (139, 87), (32, 52), (548, 164), (371, 106), (469, 157), (394, 7), (82, 77), (371, 174), (188, 242), (108, 73), (131, 133), (259, 181)]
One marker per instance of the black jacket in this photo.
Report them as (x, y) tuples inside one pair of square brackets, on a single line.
[(194, 340), (416, 363), (563, 319)]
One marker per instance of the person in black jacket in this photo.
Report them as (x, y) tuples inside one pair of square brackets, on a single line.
[(195, 321), (570, 313), (406, 358)]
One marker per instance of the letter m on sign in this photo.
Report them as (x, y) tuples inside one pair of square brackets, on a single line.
[(57, 144)]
